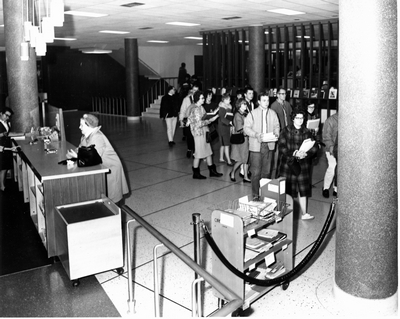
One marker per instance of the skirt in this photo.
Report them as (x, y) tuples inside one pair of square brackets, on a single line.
[(240, 152), (202, 148)]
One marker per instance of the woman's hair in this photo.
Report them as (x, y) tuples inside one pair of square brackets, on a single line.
[(298, 110), (207, 93), (196, 96), (225, 96), (239, 103)]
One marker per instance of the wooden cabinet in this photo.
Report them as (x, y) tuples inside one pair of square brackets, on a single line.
[(230, 230), (47, 184), (89, 237)]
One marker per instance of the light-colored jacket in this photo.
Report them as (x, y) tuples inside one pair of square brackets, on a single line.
[(117, 185), (183, 113), (253, 126)]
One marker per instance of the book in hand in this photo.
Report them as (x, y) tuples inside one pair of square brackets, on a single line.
[(229, 116), (307, 145), (313, 124), (209, 115)]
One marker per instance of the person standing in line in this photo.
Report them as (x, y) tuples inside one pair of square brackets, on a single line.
[(240, 152), (182, 74), (290, 140), (259, 125), (283, 109), (169, 112), (224, 129), (6, 158), (183, 115), (329, 136), (248, 94), (199, 127)]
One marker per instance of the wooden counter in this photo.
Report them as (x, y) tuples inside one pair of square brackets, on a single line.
[(47, 184)]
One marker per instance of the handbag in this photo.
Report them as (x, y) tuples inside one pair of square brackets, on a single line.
[(237, 138), (294, 166), (88, 156), (211, 135)]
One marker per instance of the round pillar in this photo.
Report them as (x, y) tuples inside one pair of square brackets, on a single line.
[(256, 63), (366, 270), (132, 79), (21, 75)]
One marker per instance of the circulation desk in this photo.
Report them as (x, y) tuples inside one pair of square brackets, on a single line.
[(47, 184)]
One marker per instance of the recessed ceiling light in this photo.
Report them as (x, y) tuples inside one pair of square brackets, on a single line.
[(114, 32), (157, 41), (305, 37), (231, 18), (65, 39), (266, 32), (286, 12), (194, 38), (184, 24), (86, 14), (95, 51), (132, 4)]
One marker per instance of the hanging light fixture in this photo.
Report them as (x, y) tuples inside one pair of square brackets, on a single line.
[(24, 51), (24, 48), (57, 12), (40, 45), (47, 25), (27, 23)]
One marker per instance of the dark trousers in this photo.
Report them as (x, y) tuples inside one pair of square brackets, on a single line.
[(189, 138), (260, 166)]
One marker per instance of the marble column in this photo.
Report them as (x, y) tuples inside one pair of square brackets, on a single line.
[(366, 269), (21, 75), (256, 62), (132, 79)]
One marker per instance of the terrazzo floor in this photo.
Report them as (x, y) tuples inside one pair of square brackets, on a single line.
[(164, 193)]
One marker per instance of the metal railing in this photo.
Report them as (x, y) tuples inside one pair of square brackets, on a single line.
[(234, 301), (109, 105)]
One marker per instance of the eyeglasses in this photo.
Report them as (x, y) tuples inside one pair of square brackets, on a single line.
[(282, 93), (299, 118)]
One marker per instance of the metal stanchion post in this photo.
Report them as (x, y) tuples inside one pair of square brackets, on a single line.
[(131, 301), (197, 258)]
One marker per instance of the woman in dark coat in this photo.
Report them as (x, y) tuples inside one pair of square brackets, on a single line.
[(6, 158), (290, 140)]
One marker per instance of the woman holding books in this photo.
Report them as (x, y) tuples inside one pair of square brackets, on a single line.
[(198, 128), (240, 152), (224, 128), (6, 157), (295, 164)]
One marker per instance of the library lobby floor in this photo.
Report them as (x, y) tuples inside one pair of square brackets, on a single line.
[(164, 193)]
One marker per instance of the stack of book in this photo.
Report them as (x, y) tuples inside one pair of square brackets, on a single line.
[(271, 236), (275, 270)]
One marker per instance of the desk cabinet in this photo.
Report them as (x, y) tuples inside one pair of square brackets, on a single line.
[(89, 237), (46, 184)]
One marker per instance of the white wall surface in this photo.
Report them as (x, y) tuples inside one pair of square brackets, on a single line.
[(166, 60)]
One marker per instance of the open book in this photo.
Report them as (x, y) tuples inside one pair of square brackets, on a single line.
[(209, 115)]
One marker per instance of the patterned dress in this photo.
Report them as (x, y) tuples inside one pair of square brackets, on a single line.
[(290, 140)]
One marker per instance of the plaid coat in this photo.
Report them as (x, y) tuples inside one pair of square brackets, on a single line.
[(290, 140)]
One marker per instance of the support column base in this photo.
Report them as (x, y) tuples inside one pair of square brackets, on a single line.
[(133, 118)]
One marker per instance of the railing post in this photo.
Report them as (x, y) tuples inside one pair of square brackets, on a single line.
[(197, 257), (156, 285), (131, 301)]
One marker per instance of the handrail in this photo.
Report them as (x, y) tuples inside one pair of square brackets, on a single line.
[(234, 301)]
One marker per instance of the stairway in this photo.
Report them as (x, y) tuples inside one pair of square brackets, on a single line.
[(154, 109)]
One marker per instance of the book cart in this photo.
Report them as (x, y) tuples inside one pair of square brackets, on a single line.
[(261, 247)]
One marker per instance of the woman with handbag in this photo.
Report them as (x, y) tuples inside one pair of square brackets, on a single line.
[(240, 142), (224, 128), (295, 163), (198, 128), (117, 185)]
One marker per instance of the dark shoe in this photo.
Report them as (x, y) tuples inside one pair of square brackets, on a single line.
[(325, 193), (248, 174), (334, 194), (230, 164), (170, 144), (232, 178), (173, 143), (246, 180), (213, 171), (189, 154), (196, 173)]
